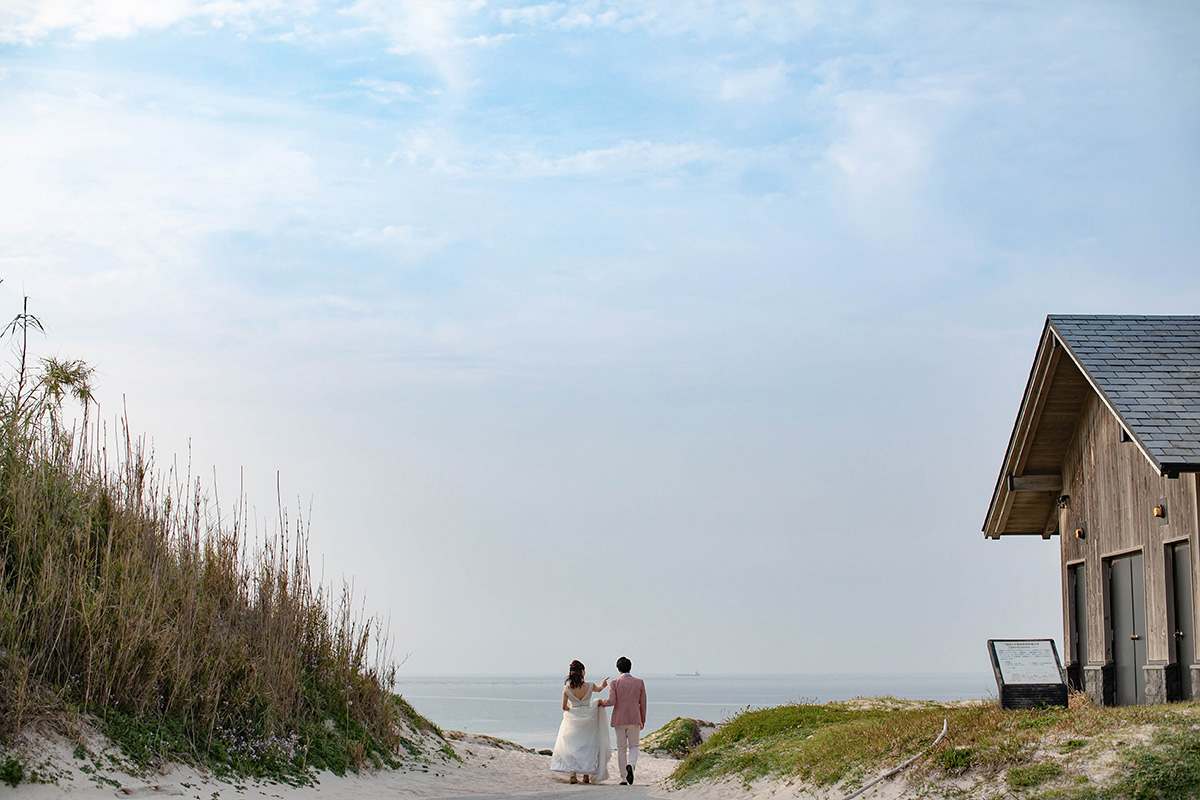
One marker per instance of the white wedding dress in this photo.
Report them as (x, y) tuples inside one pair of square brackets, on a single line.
[(582, 744)]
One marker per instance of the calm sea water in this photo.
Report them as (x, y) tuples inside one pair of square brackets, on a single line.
[(525, 708)]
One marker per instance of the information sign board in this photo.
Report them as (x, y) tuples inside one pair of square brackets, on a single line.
[(1028, 672)]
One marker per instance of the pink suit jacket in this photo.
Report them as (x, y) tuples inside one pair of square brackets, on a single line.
[(627, 697)]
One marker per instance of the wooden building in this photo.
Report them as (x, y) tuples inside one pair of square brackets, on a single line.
[(1105, 454)]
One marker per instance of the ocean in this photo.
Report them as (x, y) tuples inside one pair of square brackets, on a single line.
[(525, 708)]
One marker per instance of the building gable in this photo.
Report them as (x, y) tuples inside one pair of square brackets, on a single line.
[(1147, 371), (1144, 370)]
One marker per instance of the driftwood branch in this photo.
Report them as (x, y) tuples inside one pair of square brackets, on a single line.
[(894, 770)]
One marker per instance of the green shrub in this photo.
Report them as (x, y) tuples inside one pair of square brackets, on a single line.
[(12, 771), (959, 758), (1033, 774), (676, 739)]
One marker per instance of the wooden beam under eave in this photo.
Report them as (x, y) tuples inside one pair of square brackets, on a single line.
[(1035, 483), (1051, 526)]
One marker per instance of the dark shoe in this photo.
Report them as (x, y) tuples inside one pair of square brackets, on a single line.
[(587, 778), (573, 778), (629, 774)]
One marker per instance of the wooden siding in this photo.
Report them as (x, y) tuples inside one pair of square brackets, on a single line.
[(1113, 489)]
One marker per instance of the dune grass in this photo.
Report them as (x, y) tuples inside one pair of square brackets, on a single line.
[(676, 739), (133, 599), (1037, 753)]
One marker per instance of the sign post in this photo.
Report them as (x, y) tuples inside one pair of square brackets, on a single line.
[(1028, 673)]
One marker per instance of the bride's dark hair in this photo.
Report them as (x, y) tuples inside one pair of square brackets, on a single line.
[(575, 674)]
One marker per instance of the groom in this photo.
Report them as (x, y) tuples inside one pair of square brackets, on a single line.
[(627, 697)]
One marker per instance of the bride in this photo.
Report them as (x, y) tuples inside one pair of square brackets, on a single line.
[(582, 745)]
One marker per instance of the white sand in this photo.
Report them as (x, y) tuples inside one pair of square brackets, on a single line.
[(485, 769)]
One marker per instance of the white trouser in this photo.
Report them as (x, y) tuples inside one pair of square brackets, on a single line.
[(627, 738)]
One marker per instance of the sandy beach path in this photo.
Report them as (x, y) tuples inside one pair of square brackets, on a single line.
[(485, 771), (609, 791)]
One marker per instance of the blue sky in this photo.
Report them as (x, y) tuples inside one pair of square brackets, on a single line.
[(688, 330)]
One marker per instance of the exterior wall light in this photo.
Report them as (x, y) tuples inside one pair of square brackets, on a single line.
[(1160, 511), (1080, 533)]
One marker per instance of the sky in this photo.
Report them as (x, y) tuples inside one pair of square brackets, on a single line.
[(690, 331)]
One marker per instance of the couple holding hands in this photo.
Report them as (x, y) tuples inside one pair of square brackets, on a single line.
[(582, 745)]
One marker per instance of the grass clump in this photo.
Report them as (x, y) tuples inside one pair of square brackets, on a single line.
[(1033, 774), (789, 740), (12, 771), (677, 738), (1166, 769), (956, 759), (849, 743), (133, 598)]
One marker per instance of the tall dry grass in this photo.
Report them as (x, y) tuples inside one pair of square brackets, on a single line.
[(127, 595)]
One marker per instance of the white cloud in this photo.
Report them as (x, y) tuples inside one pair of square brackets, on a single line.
[(435, 150), (387, 91), (431, 28), (575, 18), (30, 21), (484, 40), (625, 159), (34, 20), (885, 148), (407, 244), (416, 26), (703, 18), (882, 146), (532, 15), (760, 84), (89, 178)]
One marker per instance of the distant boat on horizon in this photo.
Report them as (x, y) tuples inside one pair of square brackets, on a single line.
[(687, 674)]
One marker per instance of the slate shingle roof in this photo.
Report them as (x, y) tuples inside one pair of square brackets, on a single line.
[(1148, 369)]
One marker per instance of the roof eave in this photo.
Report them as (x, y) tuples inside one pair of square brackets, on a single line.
[(1173, 469), (998, 508)]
